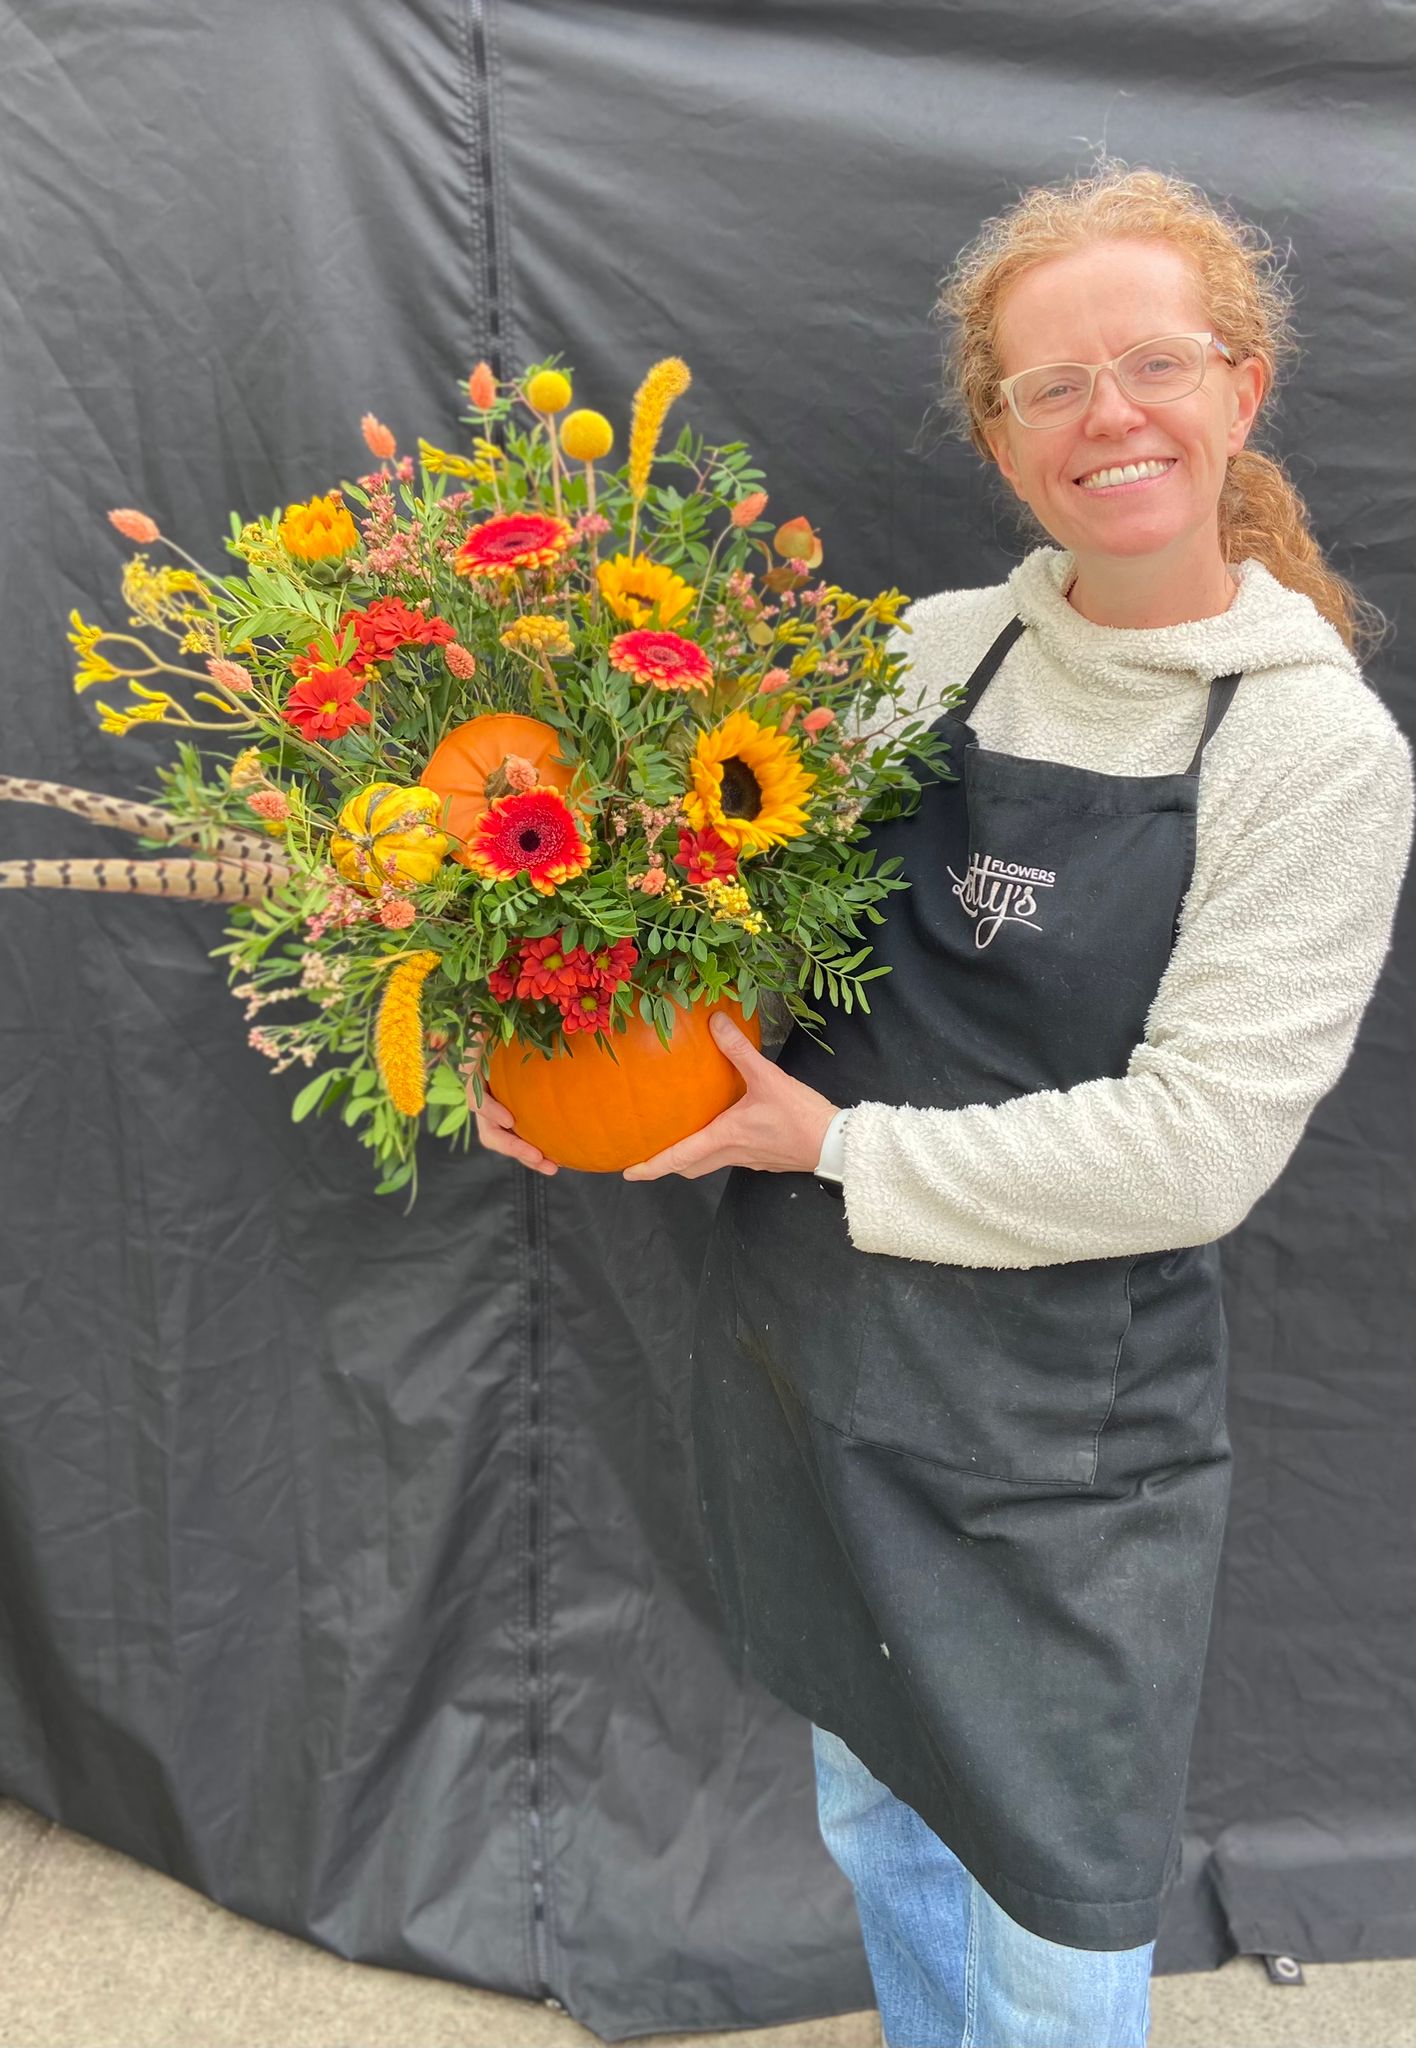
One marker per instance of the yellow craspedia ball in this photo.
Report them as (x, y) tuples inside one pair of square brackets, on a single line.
[(586, 436), (549, 391)]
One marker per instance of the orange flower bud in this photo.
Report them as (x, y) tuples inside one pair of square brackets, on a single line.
[(135, 525), (818, 720), (749, 508), (379, 438), (482, 387)]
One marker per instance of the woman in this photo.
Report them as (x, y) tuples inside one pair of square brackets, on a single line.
[(960, 1349)]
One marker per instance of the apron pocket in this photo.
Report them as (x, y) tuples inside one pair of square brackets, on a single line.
[(1010, 1374)]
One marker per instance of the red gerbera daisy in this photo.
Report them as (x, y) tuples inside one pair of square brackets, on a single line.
[(666, 660), (322, 704), (512, 541), (705, 856), (388, 624), (534, 830)]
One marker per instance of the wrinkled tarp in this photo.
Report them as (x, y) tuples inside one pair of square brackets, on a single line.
[(349, 1563)]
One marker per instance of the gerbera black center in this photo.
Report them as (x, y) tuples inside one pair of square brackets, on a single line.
[(529, 840), (740, 795)]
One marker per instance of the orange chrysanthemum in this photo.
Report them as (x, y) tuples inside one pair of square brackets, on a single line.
[(666, 660), (320, 530), (513, 541), (531, 830)]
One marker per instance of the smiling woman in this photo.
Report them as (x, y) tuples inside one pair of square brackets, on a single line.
[(958, 1395)]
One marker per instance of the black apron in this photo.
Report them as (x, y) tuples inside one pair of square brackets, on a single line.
[(969, 1519)]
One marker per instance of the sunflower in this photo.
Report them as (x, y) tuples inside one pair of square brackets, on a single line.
[(666, 660), (531, 829), (632, 586), (511, 541), (748, 785)]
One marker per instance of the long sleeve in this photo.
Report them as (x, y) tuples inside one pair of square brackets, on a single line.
[(1281, 943)]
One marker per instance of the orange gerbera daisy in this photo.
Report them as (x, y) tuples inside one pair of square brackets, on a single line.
[(512, 541), (666, 660), (532, 830)]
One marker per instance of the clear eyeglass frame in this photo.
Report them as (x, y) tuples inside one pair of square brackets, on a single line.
[(1008, 386)]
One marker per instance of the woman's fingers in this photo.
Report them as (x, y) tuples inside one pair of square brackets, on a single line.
[(496, 1132)]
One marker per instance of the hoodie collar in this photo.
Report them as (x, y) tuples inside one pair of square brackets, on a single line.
[(1267, 626)]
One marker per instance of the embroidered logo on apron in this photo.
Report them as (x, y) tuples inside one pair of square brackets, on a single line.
[(997, 892)]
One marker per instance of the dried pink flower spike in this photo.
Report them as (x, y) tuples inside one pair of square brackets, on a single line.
[(379, 437), (135, 525), (230, 674)]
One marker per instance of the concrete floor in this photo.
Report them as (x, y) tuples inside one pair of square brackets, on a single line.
[(97, 1951)]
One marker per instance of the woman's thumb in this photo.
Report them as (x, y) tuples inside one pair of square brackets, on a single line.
[(732, 1041)]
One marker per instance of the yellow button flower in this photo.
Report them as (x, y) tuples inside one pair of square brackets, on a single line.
[(586, 436), (548, 391)]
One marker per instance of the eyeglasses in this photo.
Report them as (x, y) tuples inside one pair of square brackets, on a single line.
[(1152, 373)]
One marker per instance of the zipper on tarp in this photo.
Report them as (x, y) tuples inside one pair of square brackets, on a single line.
[(533, 1211)]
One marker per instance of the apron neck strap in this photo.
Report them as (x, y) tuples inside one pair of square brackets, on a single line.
[(987, 669), (1220, 697)]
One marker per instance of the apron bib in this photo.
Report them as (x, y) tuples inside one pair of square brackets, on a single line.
[(969, 1519)]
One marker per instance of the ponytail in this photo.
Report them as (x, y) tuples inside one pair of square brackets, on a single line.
[(1262, 516)]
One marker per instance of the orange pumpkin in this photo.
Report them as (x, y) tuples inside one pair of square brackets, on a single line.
[(583, 1110), (459, 767)]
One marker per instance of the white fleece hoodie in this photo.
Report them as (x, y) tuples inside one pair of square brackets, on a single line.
[(1304, 831)]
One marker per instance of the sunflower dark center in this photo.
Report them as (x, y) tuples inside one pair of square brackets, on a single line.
[(741, 792), (528, 840)]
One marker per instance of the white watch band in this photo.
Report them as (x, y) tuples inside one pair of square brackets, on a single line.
[(831, 1164)]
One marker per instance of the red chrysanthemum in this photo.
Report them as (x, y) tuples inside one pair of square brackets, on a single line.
[(511, 541), (666, 660), (615, 963), (548, 972), (322, 705), (312, 663), (540, 970), (705, 856), (388, 624), (590, 1011), (533, 830)]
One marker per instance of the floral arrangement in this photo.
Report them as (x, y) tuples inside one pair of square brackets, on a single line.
[(527, 747)]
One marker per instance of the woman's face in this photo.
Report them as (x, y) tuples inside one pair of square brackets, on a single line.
[(1086, 307)]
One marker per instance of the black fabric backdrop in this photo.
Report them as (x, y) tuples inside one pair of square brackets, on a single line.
[(349, 1567)]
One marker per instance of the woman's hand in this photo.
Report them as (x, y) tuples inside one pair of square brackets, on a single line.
[(777, 1126), (496, 1129)]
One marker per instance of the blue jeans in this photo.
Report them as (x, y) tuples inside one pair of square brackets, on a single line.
[(950, 1968)]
